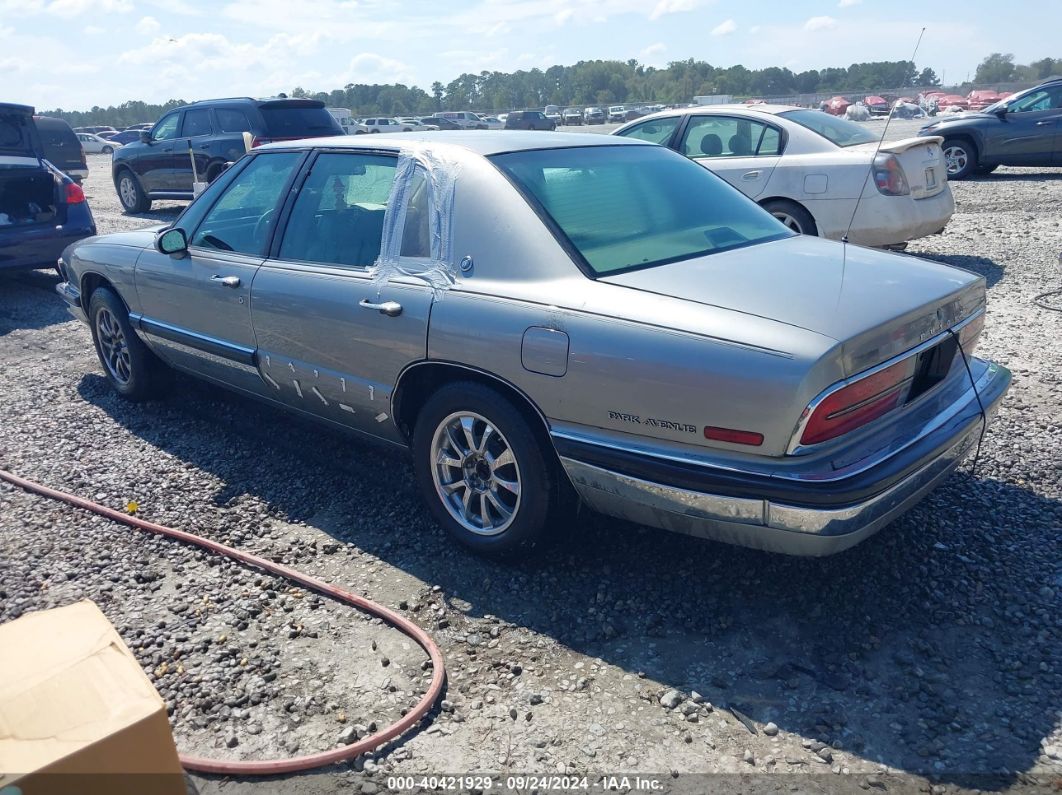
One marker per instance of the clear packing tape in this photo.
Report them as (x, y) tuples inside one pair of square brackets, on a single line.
[(438, 270)]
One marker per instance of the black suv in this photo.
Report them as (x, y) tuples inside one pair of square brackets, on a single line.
[(159, 166), (1022, 130), (61, 147), (529, 120)]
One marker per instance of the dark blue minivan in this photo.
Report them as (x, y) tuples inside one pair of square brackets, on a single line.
[(42, 210)]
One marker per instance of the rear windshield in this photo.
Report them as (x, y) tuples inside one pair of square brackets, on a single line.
[(631, 207), (299, 122), (836, 130), (14, 135)]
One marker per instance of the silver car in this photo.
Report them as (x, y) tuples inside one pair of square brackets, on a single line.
[(535, 315)]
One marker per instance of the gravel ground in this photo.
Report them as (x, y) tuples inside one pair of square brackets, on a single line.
[(925, 659)]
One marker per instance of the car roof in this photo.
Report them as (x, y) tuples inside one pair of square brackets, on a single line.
[(262, 102), (481, 142)]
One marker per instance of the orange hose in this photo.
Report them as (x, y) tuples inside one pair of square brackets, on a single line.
[(290, 765)]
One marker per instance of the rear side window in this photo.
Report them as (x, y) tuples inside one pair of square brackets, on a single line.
[(196, 122), (416, 240), (231, 121), (727, 136), (242, 220), (338, 217), (299, 122)]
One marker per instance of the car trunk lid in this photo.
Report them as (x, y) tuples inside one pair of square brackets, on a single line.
[(18, 136), (922, 161), (876, 304)]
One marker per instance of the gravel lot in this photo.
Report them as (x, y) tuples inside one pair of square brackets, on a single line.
[(925, 659)]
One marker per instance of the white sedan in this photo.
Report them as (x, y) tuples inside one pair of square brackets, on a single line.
[(808, 169), (94, 145)]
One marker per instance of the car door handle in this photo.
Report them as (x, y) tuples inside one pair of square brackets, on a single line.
[(226, 281), (389, 308), (1045, 122), (751, 175)]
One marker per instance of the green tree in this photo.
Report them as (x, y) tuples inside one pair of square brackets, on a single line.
[(996, 68)]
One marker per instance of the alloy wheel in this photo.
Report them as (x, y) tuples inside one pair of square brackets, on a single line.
[(114, 346), (789, 221), (127, 190), (955, 159), (476, 475)]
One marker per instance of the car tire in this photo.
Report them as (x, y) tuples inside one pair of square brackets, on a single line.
[(792, 215), (130, 194), (498, 520), (986, 170), (960, 155), (108, 150), (132, 370)]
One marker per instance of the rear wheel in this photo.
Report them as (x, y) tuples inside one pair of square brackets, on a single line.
[(792, 215), (960, 158), (132, 370), (107, 150), (482, 471), (130, 194)]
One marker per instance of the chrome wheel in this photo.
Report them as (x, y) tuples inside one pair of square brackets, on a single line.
[(127, 190), (955, 159), (476, 474), (789, 221), (113, 346)]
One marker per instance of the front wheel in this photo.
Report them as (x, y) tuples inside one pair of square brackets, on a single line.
[(793, 216), (107, 150), (130, 194), (986, 170), (960, 158), (482, 471), (132, 369)]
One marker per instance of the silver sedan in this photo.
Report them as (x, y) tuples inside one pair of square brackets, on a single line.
[(539, 316)]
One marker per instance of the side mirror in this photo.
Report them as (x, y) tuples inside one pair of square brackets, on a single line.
[(1001, 111), (145, 136), (171, 241)]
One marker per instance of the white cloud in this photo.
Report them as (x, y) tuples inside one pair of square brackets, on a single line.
[(369, 67), (820, 23), (653, 49), (664, 7), (93, 30), (847, 3), (148, 26), (563, 16), (73, 8), (724, 28), (754, 29)]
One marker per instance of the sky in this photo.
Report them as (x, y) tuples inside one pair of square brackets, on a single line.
[(74, 54)]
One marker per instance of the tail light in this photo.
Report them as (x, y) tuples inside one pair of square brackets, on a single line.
[(859, 403), (74, 193), (889, 176), (257, 141)]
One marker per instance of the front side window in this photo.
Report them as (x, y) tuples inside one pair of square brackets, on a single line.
[(339, 213), (630, 207), (243, 218), (1042, 99), (837, 131), (196, 122), (655, 131), (166, 129), (727, 136)]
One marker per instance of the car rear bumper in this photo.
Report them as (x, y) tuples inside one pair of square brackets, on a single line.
[(891, 220), (40, 246), (810, 516)]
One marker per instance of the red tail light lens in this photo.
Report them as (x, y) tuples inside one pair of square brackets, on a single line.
[(858, 403), (256, 141), (74, 194), (889, 176)]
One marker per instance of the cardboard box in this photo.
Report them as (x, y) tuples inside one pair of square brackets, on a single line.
[(77, 713)]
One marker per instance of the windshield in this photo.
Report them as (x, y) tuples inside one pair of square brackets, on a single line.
[(630, 207), (840, 132)]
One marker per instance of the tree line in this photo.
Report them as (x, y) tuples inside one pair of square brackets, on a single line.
[(601, 83)]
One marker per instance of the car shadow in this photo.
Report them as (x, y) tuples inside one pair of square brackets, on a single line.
[(160, 214), (907, 650), (1025, 175), (982, 266), (28, 301)]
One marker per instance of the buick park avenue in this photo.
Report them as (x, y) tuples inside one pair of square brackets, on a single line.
[(534, 316)]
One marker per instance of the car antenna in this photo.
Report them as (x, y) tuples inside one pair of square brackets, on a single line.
[(877, 149)]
